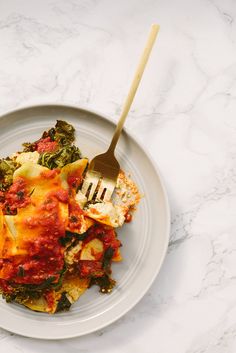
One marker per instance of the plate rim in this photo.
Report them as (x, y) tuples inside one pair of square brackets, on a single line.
[(133, 137)]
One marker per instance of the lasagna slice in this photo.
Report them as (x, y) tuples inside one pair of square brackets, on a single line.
[(31, 254), (54, 244)]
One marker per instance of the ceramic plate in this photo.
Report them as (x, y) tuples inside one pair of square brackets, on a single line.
[(144, 240)]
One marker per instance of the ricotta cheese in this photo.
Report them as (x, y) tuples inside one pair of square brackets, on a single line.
[(107, 213), (25, 157)]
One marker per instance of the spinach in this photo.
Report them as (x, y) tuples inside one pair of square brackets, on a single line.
[(69, 236), (21, 294), (64, 303), (63, 133), (29, 146), (44, 285), (58, 285), (105, 283), (21, 271), (107, 257), (76, 235), (20, 194)]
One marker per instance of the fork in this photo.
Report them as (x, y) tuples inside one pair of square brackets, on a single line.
[(103, 170)]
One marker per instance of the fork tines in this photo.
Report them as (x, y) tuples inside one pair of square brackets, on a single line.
[(96, 187)]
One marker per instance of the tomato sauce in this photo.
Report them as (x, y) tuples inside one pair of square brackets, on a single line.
[(45, 254), (74, 179), (6, 287), (50, 174), (61, 195), (94, 268), (90, 268), (107, 235), (75, 216), (50, 298), (46, 145), (17, 196)]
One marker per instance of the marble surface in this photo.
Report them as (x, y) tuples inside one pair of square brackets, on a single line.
[(84, 52)]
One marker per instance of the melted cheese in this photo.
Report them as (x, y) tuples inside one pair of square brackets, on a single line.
[(81, 199), (76, 168), (7, 240)]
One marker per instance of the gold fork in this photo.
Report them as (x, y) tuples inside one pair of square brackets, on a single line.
[(103, 170)]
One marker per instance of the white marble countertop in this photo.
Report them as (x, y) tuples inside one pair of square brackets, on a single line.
[(84, 52)]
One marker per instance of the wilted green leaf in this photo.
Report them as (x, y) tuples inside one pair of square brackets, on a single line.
[(63, 133), (7, 168), (60, 158)]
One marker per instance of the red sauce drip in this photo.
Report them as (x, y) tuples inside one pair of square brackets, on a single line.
[(128, 217)]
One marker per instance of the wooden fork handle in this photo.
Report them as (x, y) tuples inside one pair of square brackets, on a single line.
[(136, 80)]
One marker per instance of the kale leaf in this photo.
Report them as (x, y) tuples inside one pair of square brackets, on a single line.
[(60, 158), (7, 168), (29, 147), (63, 133)]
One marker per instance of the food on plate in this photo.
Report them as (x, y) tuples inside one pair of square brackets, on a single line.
[(54, 243)]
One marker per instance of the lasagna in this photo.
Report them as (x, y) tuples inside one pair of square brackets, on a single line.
[(54, 243)]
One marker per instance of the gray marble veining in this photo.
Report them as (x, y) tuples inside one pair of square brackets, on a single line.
[(84, 52)]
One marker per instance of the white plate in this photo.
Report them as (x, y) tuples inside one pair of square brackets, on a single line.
[(144, 240)]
